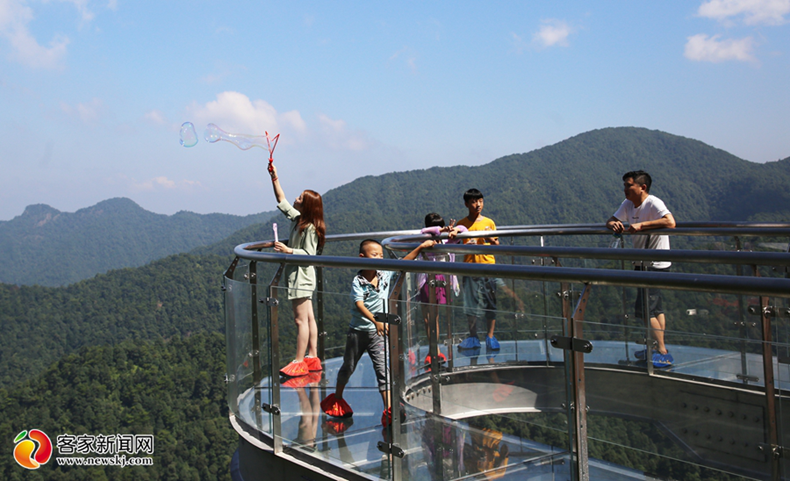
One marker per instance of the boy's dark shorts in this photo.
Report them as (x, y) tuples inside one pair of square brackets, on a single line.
[(653, 299), (480, 296)]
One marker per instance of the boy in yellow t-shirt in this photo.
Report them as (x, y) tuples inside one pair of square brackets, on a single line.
[(479, 292)]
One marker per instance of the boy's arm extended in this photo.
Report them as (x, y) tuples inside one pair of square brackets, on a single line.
[(381, 328), (413, 254)]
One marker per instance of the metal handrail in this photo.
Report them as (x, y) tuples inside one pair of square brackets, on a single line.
[(667, 280), (682, 229)]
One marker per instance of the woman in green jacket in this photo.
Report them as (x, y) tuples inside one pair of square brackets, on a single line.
[(306, 237)]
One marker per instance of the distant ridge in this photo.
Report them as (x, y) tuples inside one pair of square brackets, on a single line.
[(48, 247), (577, 180)]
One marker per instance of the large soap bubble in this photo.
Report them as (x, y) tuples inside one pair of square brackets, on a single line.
[(189, 137), (242, 141)]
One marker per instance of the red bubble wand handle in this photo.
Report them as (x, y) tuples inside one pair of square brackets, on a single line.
[(271, 143)]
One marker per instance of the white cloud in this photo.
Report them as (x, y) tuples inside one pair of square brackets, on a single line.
[(338, 136), (408, 58), (703, 48), (518, 42), (552, 32), (88, 112), (162, 183), (770, 12), (235, 112), (15, 17), (82, 8), (156, 117)]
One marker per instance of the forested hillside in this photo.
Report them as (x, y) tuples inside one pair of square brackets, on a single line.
[(172, 389), (47, 247), (577, 180), (179, 294)]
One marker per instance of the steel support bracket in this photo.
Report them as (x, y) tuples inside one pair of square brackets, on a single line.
[(770, 311), (571, 344), (270, 301), (393, 319), (271, 408), (774, 450), (390, 448)]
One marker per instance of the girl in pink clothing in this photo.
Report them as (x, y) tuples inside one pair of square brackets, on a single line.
[(435, 225)]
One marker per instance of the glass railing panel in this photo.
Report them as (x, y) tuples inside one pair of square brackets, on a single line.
[(238, 340), (248, 363), (668, 426), (349, 442), (489, 401), (703, 417)]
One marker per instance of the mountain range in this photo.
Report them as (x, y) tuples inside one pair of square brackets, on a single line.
[(51, 248)]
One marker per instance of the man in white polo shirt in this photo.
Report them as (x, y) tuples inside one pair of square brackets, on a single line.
[(645, 212)]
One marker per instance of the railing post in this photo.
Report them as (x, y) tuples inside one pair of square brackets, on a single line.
[(256, 343), (272, 304), (433, 345), (576, 404), (396, 381), (770, 388), (579, 390), (648, 326)]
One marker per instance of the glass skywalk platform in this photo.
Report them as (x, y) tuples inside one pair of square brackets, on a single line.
[(568, 338)]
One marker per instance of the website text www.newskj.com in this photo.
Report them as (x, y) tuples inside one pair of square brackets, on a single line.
[(117, 460)]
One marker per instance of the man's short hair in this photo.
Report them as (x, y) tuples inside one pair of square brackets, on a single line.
[(367, 242), (640, 177), (434, 220), (472, 194)]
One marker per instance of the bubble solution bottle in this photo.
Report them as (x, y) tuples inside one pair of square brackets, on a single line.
[(617, 241)]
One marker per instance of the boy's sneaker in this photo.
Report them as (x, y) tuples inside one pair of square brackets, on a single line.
[(662, 360), (471, 342), (641, 354), (337, 408), (492, 344), (295, 369), (313, 364)]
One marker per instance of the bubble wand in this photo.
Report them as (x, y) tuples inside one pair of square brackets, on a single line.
[(271, 144)]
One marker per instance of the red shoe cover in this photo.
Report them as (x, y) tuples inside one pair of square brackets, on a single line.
[(334, 426), (337, 408), (313, 377), (442, 359), (313, 364), (386, 417), (294, 369), (296, 382)]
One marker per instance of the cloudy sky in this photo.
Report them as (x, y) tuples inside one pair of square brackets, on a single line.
[(92, 93)]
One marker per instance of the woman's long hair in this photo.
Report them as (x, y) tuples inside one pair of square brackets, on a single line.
[(312, 210)]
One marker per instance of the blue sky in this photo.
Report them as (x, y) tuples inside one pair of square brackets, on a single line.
[(92, 94)]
